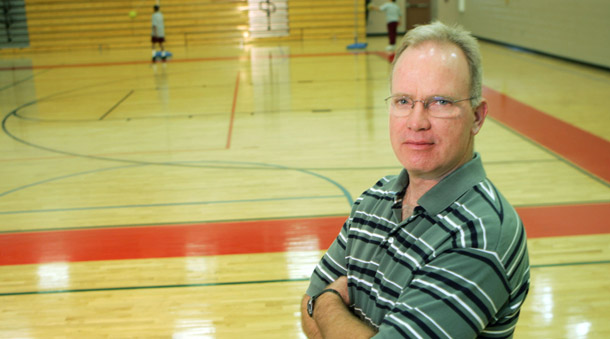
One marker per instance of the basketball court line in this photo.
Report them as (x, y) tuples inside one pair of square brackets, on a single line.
[(187, 203), (232, 119), (234, 283), (246, 237), (207, 59), (228, 165), (587, 151), (117, 63), (116, 105), (27, 78)]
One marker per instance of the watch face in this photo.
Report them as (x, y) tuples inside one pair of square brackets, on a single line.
[(310, 307)]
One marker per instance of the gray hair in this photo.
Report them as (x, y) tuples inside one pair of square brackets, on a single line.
[(457, 35)]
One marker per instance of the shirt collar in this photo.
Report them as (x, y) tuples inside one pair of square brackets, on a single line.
[(400, 187), (448, 190)]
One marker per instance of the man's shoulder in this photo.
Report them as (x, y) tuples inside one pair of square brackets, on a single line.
[(490, 213), (485, 198)]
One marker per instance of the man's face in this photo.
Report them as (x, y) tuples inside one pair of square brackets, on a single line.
[(430, 147)]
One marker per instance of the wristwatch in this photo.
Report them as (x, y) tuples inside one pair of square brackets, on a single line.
[(312, 300)]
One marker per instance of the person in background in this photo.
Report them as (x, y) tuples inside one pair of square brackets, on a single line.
[(435, 251), (158, 33), (392, 16)]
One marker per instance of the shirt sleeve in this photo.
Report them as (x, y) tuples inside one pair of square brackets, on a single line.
[(332, 265), (456, 295)]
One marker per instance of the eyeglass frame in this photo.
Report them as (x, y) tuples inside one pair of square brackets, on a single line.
[(426, 102)]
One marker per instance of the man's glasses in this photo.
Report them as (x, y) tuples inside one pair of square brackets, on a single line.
[(401, 105)]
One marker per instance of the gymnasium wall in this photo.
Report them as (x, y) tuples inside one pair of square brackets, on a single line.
[(73, 24), (578, 30)]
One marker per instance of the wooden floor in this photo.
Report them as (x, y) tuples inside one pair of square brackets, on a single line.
[(193, 198)]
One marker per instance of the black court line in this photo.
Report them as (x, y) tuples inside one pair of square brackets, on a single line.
[(116, 105), (234, 283), (155, 287)]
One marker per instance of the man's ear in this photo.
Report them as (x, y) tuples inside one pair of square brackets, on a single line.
[(480, 113)]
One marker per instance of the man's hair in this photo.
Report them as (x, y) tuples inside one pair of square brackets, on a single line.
[(457, 35), (156, 7)]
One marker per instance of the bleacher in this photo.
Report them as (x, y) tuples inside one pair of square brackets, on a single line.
[(74, 24)]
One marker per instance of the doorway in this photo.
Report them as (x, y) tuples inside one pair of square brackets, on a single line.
[(418, 13)]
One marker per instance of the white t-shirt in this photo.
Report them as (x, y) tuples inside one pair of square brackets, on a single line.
[(157, 21), (392, 11)]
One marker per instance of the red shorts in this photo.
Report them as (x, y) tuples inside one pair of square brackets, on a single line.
[(157, 39)]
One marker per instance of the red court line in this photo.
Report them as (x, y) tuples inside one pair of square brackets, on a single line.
[(564, 220), (260, 236), (580, 147), (136, 62), (115, 63)]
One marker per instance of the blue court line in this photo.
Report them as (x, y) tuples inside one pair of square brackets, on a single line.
[(213, 202), (63, 177), (23, 80), (234, 283), (346, 194), (304, 170)]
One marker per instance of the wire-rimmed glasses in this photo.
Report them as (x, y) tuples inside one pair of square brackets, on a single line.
[(437, 106)]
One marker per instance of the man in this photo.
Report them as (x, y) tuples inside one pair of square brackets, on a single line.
[(437, 251), (158, 33), (392, 17)]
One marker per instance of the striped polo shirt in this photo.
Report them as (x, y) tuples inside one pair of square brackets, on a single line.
[(457, 268)]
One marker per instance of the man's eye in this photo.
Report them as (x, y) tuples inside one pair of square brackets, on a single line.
[(441, 101), (402, 101)]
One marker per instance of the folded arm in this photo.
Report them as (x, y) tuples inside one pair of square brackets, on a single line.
[(331, 317)]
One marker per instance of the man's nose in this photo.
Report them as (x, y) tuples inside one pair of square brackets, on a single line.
[(418, 119)]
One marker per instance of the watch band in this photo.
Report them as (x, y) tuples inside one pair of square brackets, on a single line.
[(312, 300)]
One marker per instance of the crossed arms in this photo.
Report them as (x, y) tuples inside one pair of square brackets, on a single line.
[(332, 318)]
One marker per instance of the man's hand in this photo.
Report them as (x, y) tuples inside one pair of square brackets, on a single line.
[(340, 285)]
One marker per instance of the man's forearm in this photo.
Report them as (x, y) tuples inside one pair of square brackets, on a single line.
[(310, 328), (335, 320)]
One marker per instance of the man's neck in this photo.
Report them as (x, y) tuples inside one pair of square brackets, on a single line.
[(420, 184), (416, 189)]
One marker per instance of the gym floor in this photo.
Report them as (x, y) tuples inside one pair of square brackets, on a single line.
[(193, 198)]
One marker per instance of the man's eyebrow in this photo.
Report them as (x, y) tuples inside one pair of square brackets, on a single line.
[(428, 97)]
